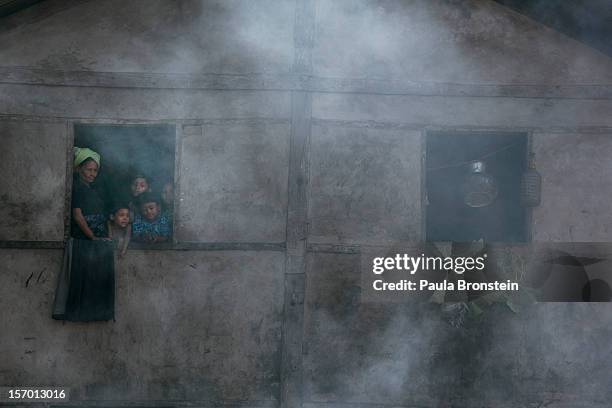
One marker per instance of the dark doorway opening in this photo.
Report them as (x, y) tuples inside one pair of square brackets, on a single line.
[(449, 155)]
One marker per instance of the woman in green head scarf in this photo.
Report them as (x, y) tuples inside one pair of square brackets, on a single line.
[(91, 289), (82, 154), (88, 219)]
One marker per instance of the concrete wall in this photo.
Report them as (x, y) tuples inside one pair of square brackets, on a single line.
[(187, 36), (447, 41), (407, 354), (33, 185), (234, 183), (576, 170), (177, 335), (300, 124), (471, 41), (365, 185)]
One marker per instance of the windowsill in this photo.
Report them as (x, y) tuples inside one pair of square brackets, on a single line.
[(209, 246), (166, 246)]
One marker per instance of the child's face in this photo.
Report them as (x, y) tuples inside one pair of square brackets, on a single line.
[(150, 211), (139, 186), (122, 217)]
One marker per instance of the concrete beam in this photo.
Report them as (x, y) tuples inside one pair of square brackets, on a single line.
[(298, 81)]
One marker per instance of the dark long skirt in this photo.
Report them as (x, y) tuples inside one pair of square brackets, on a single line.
[(89, 274)]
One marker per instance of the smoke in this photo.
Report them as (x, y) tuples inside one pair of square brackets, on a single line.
[(356, 351), (408, 353), (448, 41)]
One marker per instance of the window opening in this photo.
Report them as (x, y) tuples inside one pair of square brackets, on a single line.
[(136, 177), (473, 185)]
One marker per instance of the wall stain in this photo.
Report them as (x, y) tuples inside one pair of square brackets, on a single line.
[(28, 280), (40, 275)]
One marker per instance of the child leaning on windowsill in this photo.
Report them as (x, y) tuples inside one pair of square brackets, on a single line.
[(119, 228), (151, 225), (139, 185)]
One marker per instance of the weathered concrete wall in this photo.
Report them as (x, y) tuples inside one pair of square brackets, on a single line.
[(576, 172), (407, 354), (33, 182), (432, 111), (189, 326), (469, 41), (235, 36), (365, 185), (141, 104), (233, 183)]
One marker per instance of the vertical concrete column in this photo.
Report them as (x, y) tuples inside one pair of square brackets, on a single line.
[(301, 115), (293, 316)]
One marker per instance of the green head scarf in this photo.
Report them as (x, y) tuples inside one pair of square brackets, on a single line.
[(83, 153)]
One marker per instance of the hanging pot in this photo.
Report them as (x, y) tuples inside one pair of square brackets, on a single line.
[(480, 188)]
